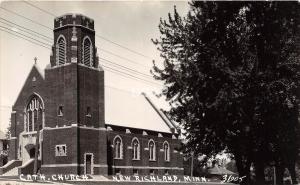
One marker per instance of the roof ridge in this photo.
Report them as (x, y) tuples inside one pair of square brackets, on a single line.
[(39, 70), (160, 113), (171, 121), (27, 78)]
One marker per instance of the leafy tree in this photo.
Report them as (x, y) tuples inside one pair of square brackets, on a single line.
[(8, 131), (231, 73)]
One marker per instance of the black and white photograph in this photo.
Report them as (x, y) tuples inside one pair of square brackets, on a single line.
[(149, 92)]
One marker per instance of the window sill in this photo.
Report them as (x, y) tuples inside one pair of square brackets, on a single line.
[(60, 115), (152, 160), (30, 133), (88, 115), (118, 158), (136, 159)]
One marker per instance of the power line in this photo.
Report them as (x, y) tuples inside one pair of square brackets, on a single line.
[(12, 23), (103, 59), (30, 4), (12, 12), (121, 57), (126, 48), (131, 75), (111, 69), (135, 71), (99, 36), (111, 53), (121, 90), (126, 68), (122, 74), (24, 38)]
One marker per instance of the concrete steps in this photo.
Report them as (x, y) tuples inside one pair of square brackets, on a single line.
[(12, 172), (9, 166)]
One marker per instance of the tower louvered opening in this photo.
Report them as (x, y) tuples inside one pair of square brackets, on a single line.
[(87, 52), (61, 51)]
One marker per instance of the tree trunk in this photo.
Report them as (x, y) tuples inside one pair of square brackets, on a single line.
[(292, 171), (243, 170), (259, 173), (279, 174)]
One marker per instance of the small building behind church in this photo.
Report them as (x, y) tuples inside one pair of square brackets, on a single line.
[(79, 125)]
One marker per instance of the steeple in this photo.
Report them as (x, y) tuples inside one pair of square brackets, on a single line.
[(74, 41), (74, 78)]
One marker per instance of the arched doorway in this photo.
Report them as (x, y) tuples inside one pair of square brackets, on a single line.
[(34, 119), (32, 153)]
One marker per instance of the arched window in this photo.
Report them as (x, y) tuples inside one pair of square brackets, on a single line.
[(61, 50), (34, 114), (135, 149), (166, 151), (152, 150), (118, 147), (30, 122), (87, 52)]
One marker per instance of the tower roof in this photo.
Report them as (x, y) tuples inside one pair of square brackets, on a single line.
[(73, 20)]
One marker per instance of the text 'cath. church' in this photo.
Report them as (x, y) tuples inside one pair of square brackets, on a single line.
[(84, 127)]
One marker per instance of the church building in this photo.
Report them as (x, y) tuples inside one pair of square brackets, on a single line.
[(79, 125)]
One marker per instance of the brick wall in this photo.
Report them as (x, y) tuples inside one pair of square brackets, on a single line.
[(91, 94), (127, 164), (34, 85), (61, 84)]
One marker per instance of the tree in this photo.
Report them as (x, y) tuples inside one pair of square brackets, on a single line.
[(8, 131), (231, 73)]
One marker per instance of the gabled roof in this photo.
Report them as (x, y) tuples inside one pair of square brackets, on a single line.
[(41, 72), (35, 74), (134, 111)]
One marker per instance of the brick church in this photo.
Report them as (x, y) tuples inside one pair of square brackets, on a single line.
[(83, 126)]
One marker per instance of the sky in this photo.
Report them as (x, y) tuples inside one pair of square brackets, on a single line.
[(130, 24)]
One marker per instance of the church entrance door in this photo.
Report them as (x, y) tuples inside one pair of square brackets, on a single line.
[(88, 164), (31, 153)]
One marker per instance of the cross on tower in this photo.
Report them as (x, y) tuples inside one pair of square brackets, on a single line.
[(35, 59)]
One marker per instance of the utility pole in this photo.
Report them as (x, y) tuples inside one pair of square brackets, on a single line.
[(36, 155), (37, 141), (274, 175), (192, 163)]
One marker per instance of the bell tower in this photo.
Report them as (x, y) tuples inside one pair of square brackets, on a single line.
[(74, 41), (75, 100)]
